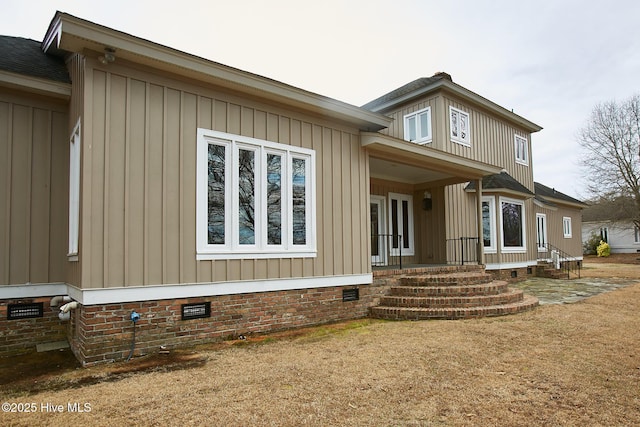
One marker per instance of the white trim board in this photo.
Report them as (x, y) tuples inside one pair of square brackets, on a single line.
[(175, 291)]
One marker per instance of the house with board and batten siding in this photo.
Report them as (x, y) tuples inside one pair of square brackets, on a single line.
[(149, 188)]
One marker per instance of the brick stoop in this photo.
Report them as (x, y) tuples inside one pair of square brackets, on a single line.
[(450, 295), (548, 270)]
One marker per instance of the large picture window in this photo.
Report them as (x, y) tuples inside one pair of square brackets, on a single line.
[(513, 225), (255, 198)]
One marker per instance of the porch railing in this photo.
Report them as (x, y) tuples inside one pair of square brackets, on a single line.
[(386, 250), (560, 259), (463, 250)]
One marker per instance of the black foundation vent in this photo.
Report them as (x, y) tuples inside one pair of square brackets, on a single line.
[(350, 294), (25, 311), (198, 310)]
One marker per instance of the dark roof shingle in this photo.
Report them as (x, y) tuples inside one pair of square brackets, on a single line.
[(544, 192), (25, 56), (500, 181), (406, 89)]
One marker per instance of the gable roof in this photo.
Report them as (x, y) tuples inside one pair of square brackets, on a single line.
[(443, 81), (26, 57), (550, 195), (501, 182), (67, 34)]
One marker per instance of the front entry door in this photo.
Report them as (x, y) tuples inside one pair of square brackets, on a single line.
[(378, 241)]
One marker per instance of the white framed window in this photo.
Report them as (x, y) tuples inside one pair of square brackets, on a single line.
[(254, 198), (401, 224), (512, 221), (74, 192), (566, 227), (541, 232), (417, 126), (489, 224), (459, 125), (522, 150), (604, 234)]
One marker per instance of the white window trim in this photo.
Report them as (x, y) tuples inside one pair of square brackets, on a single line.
[(513, 249), (545, 235), (458, 140), (74, 191), (260, 250), (521, 145), (410, 251), (420, 139), (566, 227), (492, 224)]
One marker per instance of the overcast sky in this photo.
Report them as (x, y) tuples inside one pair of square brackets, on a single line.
[(551, 61)]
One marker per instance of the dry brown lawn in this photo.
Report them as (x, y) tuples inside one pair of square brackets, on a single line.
[(559, 365)]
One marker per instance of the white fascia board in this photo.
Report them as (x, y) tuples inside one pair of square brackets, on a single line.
[(32, 290), (161, 292)]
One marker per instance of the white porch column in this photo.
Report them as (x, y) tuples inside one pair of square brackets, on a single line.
[(479, 221)]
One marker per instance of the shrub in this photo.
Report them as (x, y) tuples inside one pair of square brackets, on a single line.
[(604, 249), (590, 247)]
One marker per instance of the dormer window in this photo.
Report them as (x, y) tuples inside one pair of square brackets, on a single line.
[(459, 125), (417, 126)]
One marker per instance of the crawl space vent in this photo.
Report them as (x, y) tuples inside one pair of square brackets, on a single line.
[(350, 294), (198, 310), (25, 311)]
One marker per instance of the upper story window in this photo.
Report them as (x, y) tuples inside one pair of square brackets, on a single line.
[(566, 226), (522, 150), (255, 198), (459, 125), (417, 126)]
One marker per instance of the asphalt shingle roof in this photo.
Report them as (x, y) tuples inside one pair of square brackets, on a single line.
[(406, 89), (25, 56), (544, 191), (500, 181)]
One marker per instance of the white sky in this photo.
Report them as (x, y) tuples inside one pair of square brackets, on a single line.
[(551, 61)]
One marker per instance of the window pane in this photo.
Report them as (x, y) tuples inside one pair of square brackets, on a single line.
[(486, 224), (274, 199), (411, 125), (405, 224), (463, 126), (299, 202), (246, 197), (424, 125), (375, 226), (512, 224), (454, 124), (216, 183), (394, 223)]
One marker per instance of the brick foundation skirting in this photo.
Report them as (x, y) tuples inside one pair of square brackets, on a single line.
[(103, 333), (23, 335)]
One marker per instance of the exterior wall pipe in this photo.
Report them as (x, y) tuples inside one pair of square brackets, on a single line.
[(65, 310), (57, 300)]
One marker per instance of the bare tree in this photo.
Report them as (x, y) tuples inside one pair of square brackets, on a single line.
[(611, 153)]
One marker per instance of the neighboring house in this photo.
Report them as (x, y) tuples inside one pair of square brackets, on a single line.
[(143, 179), (610, 221)]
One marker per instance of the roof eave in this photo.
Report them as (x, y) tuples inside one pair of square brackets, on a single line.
[(72, 34), (35, 85), (445, 84)]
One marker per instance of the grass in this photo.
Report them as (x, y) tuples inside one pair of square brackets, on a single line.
[(573, 364)]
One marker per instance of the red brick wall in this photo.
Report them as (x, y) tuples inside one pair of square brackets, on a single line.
[(22, 336), (103, 333)]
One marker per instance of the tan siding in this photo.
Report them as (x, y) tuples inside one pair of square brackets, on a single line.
[(32, 137), (142, 195)]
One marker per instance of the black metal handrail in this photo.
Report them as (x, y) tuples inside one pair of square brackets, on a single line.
[(561, 260), (463, 250), (385, 247)]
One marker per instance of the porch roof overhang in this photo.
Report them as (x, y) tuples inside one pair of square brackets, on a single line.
[(446, 168)]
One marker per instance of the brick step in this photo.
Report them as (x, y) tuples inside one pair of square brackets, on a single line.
[(508, 297), (492, 288), (451, 279), (413, 313)]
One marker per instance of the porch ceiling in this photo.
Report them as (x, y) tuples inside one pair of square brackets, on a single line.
[(396, 159)]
